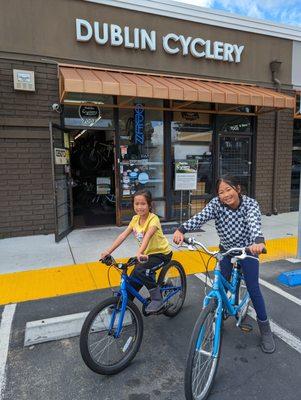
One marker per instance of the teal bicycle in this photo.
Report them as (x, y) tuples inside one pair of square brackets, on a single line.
[(224, 300)]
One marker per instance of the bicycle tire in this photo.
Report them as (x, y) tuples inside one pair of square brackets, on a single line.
[(190, 367), (110, 369), (173, 311), (241, 291)]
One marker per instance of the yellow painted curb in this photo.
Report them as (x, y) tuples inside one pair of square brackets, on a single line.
[(50, 282)]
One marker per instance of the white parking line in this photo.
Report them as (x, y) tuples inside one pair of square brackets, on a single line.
[(5, 328), (286, 336), (280, 291)]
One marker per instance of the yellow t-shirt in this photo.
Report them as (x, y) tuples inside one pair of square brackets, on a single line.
[(158, 242)]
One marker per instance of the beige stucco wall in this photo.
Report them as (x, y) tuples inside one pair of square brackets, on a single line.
[(47, 29)]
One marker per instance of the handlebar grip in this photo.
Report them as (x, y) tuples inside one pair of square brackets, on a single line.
[(187, 240), (264, 251)]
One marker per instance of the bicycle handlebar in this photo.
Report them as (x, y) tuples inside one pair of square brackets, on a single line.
[(242, 250), (110, 261)]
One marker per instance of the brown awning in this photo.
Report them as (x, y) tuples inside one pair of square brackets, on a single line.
[(123, 83)]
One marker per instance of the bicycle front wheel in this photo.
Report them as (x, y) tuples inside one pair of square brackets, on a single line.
[(101, 350), (201, 365)]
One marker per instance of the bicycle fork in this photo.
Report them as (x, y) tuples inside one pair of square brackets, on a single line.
[(217, 327)]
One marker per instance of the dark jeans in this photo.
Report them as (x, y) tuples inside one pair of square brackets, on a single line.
[(145, 272), (250, 269)]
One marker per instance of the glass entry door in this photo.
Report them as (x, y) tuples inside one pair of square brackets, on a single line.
[(62, 189), (235, 158)]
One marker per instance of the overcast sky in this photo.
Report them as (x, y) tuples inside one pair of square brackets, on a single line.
[(280, 11)]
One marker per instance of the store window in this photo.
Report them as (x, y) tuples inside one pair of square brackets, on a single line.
[(296, 166), (235, 148), (298, 105), (191, 137), (141, 156)]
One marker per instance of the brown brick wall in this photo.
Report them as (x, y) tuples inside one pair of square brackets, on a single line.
[(26, 196), (28, 104), (26, 206), (265, 160)]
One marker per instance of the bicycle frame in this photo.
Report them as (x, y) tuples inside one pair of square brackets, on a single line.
[(219, 288), (125, 287)]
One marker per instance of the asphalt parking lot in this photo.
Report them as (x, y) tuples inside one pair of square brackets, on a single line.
[(55, 370)]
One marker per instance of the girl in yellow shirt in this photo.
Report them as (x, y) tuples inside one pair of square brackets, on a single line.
[(154, 250)]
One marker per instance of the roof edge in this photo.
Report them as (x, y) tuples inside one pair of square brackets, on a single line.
[(207, 16)]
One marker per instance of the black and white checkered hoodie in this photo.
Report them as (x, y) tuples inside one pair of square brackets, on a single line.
[(239, 227)]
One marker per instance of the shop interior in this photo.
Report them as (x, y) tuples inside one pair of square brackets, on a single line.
[(93, 179)]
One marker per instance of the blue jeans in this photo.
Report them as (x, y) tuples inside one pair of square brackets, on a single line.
[(250, 269)]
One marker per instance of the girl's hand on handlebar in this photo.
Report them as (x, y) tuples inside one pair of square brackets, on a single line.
[(142, 257), (257, 248), (178, 237), (104, 254)]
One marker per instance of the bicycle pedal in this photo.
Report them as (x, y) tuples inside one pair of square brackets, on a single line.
[(225, 316), (246, 328)]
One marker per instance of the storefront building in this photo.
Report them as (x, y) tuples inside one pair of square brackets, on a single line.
[(102, 98)]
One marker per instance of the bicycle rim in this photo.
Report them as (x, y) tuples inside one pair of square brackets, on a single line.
[(173, 276), (202, 365), (242, 292)]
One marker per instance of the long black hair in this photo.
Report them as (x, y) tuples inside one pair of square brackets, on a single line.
[(230, 180)]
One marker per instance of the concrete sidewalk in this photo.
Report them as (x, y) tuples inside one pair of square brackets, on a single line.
[(84, 245)]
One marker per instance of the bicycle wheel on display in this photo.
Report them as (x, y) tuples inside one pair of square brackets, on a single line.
[(201, 366), (102, 352), (173, 276), (241, 292)]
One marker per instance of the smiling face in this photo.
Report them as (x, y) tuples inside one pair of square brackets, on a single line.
[(141, 206), (228, 195)]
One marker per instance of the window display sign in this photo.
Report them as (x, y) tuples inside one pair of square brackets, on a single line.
[(89, 114), (139, 124), (186, 175), (103, 185), (61, 156)]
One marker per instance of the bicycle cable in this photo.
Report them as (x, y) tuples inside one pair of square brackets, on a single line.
[(206, 265)]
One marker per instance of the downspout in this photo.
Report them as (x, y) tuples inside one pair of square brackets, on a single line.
[(275, 66)]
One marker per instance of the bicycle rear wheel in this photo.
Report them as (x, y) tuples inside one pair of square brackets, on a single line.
[(173, 276), (201, 366), (102, 352), (241, 292)]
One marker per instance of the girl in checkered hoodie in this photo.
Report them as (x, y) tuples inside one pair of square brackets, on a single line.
[(238, 224)]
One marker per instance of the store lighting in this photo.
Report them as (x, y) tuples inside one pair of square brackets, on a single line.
[(76, 102), (80, 134)]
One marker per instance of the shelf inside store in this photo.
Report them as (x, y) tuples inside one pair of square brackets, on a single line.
[(140, 162)]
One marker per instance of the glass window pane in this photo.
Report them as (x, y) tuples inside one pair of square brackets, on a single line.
[(234, 123), (142, 157), (104, 121), (296, 166), (192, 140)]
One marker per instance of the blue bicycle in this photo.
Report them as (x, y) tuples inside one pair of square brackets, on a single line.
[(224, 300), (112, 332)]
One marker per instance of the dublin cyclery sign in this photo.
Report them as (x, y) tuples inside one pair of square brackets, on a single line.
[(171, 43)]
